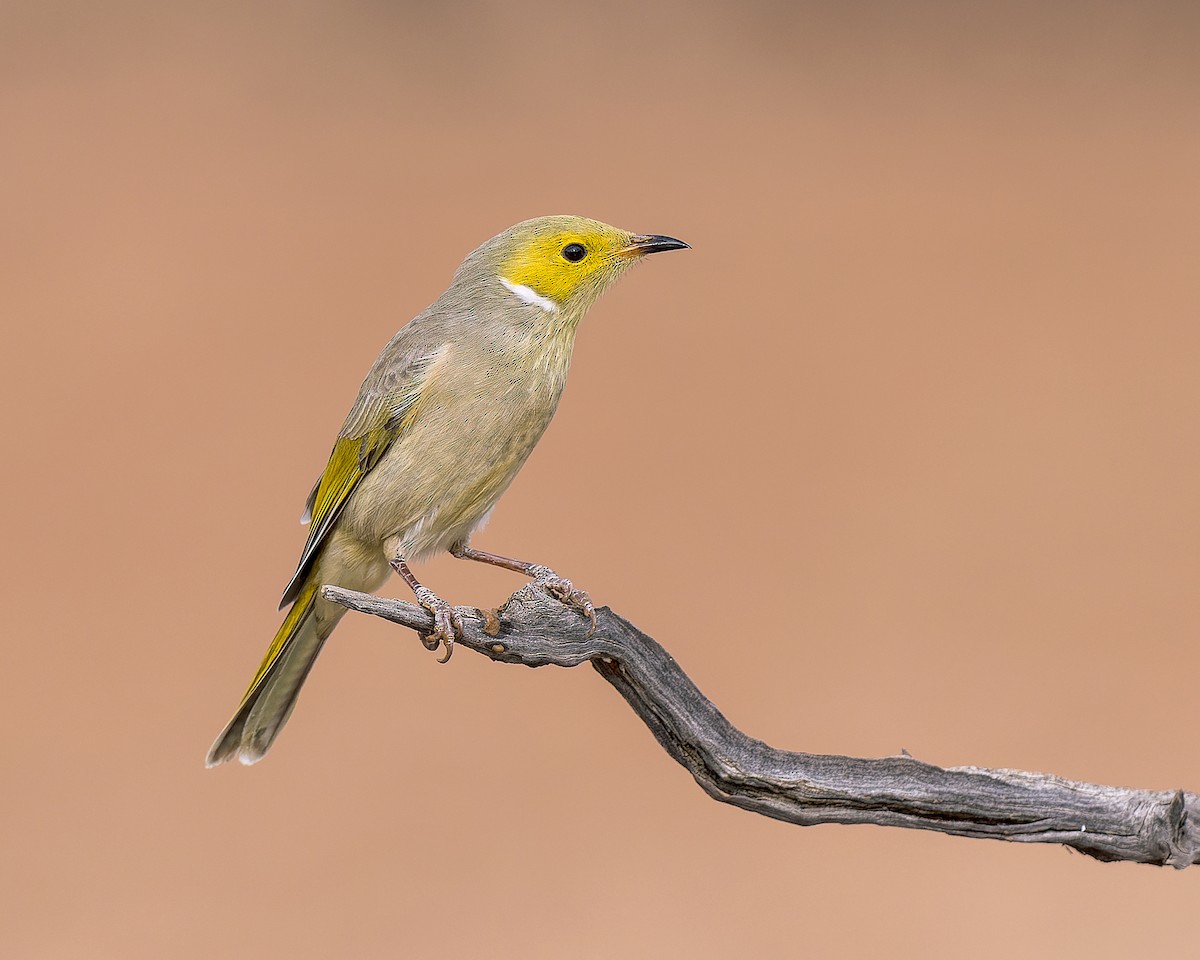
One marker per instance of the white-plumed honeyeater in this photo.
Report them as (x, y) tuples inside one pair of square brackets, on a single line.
[(448, 414)]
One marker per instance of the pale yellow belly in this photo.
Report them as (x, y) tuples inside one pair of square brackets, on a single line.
[(439, 480)]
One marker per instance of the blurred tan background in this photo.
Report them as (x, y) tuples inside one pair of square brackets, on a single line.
[(925, 391)]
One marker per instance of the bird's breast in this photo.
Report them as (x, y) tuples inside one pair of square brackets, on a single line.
[(478, 420)]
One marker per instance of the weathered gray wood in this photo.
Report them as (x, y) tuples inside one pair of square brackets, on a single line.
[(1108, 823)]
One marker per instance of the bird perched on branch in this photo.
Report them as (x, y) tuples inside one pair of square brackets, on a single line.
[(447, 416)]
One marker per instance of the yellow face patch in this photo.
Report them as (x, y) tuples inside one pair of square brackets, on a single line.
[(558, 263)]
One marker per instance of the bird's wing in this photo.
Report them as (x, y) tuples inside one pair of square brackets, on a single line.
[(388, 403)]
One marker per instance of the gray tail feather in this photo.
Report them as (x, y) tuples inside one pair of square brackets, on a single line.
[(257, 723)]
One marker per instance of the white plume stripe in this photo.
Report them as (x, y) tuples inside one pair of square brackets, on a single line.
[(532, 297)]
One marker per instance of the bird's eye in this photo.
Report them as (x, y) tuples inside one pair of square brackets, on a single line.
[(574, 252)]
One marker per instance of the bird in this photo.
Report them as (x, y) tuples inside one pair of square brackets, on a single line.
[(446, 417)]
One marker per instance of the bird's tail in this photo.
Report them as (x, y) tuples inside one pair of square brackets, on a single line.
[(272, 694)]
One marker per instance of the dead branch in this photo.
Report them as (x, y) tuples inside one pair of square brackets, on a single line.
[(1108, 823)]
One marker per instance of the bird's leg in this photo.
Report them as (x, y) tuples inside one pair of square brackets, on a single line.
[(558, 587), (446, 626)]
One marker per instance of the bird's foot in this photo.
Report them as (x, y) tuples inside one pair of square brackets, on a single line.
[(447, 628), (565, 592)]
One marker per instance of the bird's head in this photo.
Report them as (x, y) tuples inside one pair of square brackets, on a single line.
[(560, 265)]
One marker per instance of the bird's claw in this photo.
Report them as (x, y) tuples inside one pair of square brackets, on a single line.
[(447, 628), (565, 592)]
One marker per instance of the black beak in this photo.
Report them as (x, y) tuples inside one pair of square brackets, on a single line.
[(653, 243)]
